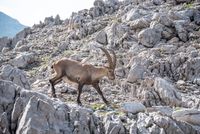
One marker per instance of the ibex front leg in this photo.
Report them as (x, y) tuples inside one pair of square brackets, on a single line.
[(96, 86), (53, 82)]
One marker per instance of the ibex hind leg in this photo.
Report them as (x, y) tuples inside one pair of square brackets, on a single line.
[(80, 86)]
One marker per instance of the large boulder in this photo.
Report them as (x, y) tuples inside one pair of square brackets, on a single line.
[(4, 42), (24, 111), (102, 38), (21, 35), (22, 60), (15, 75), (140, 23), (180, 26), (138, 68), (191, 116), (133, 107), (135, 14), (39, 116), (167, 92), (149, 37), (113, 125), (7, 99)]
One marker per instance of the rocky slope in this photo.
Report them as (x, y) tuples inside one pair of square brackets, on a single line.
[(157, 84)]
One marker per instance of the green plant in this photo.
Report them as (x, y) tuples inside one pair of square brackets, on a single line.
[(187, 5)]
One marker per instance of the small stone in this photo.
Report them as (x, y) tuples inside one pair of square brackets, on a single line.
[(133, 107)]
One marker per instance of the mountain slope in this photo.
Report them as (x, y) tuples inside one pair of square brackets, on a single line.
[(156, 88), (9, 26)]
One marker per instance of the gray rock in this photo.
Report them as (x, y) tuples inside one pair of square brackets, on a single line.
[(163, 110), (21, 35), (98, 3), (23, 60), (113, 125), (5, 49), (4, 42), (114, 32), (133, 128), (167, 92), (140, 23), (149, 37), (165, 20), (158, 2), (84, 121), (197, 17), (136, 72), (15, 75), (32, 112), (4, 124), (135, 14), (143, 122), (41, 117), (102, 38), (180, 28), (167, 124), (191, 116), (133, 107), (57, 20), (49, 21), (197, 81), (183, 1), (7, 99)]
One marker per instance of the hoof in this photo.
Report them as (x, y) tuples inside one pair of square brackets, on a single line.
[(107, 103), (54, 95), (79, 103)]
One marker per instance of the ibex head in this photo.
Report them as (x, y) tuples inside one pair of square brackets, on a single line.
[(112, 63)]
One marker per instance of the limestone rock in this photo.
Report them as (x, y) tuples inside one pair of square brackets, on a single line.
[(133, 107), (140, 23), (113, 125), (40, 117), (149, 37), (167, 92), (23, 59), (4, 42), (135, 14), (191, 116), (180, 28), (102, 38), (15, 75), (136, 73), (21, 35)]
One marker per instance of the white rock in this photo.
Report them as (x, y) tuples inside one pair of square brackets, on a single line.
[(149, 37), (102, 38), (191, 116), (23, 59), (133, 107), (15, 75), (167, 92)]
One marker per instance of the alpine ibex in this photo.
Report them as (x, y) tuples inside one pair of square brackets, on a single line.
[(83, 74)]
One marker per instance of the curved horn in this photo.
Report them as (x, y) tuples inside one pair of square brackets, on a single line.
[(108, 56), (114, 59)]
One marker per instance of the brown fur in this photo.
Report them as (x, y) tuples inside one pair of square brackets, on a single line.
[(82, 74)]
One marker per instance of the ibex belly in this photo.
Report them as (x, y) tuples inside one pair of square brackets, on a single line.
[(65, 79), (77, 75)]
